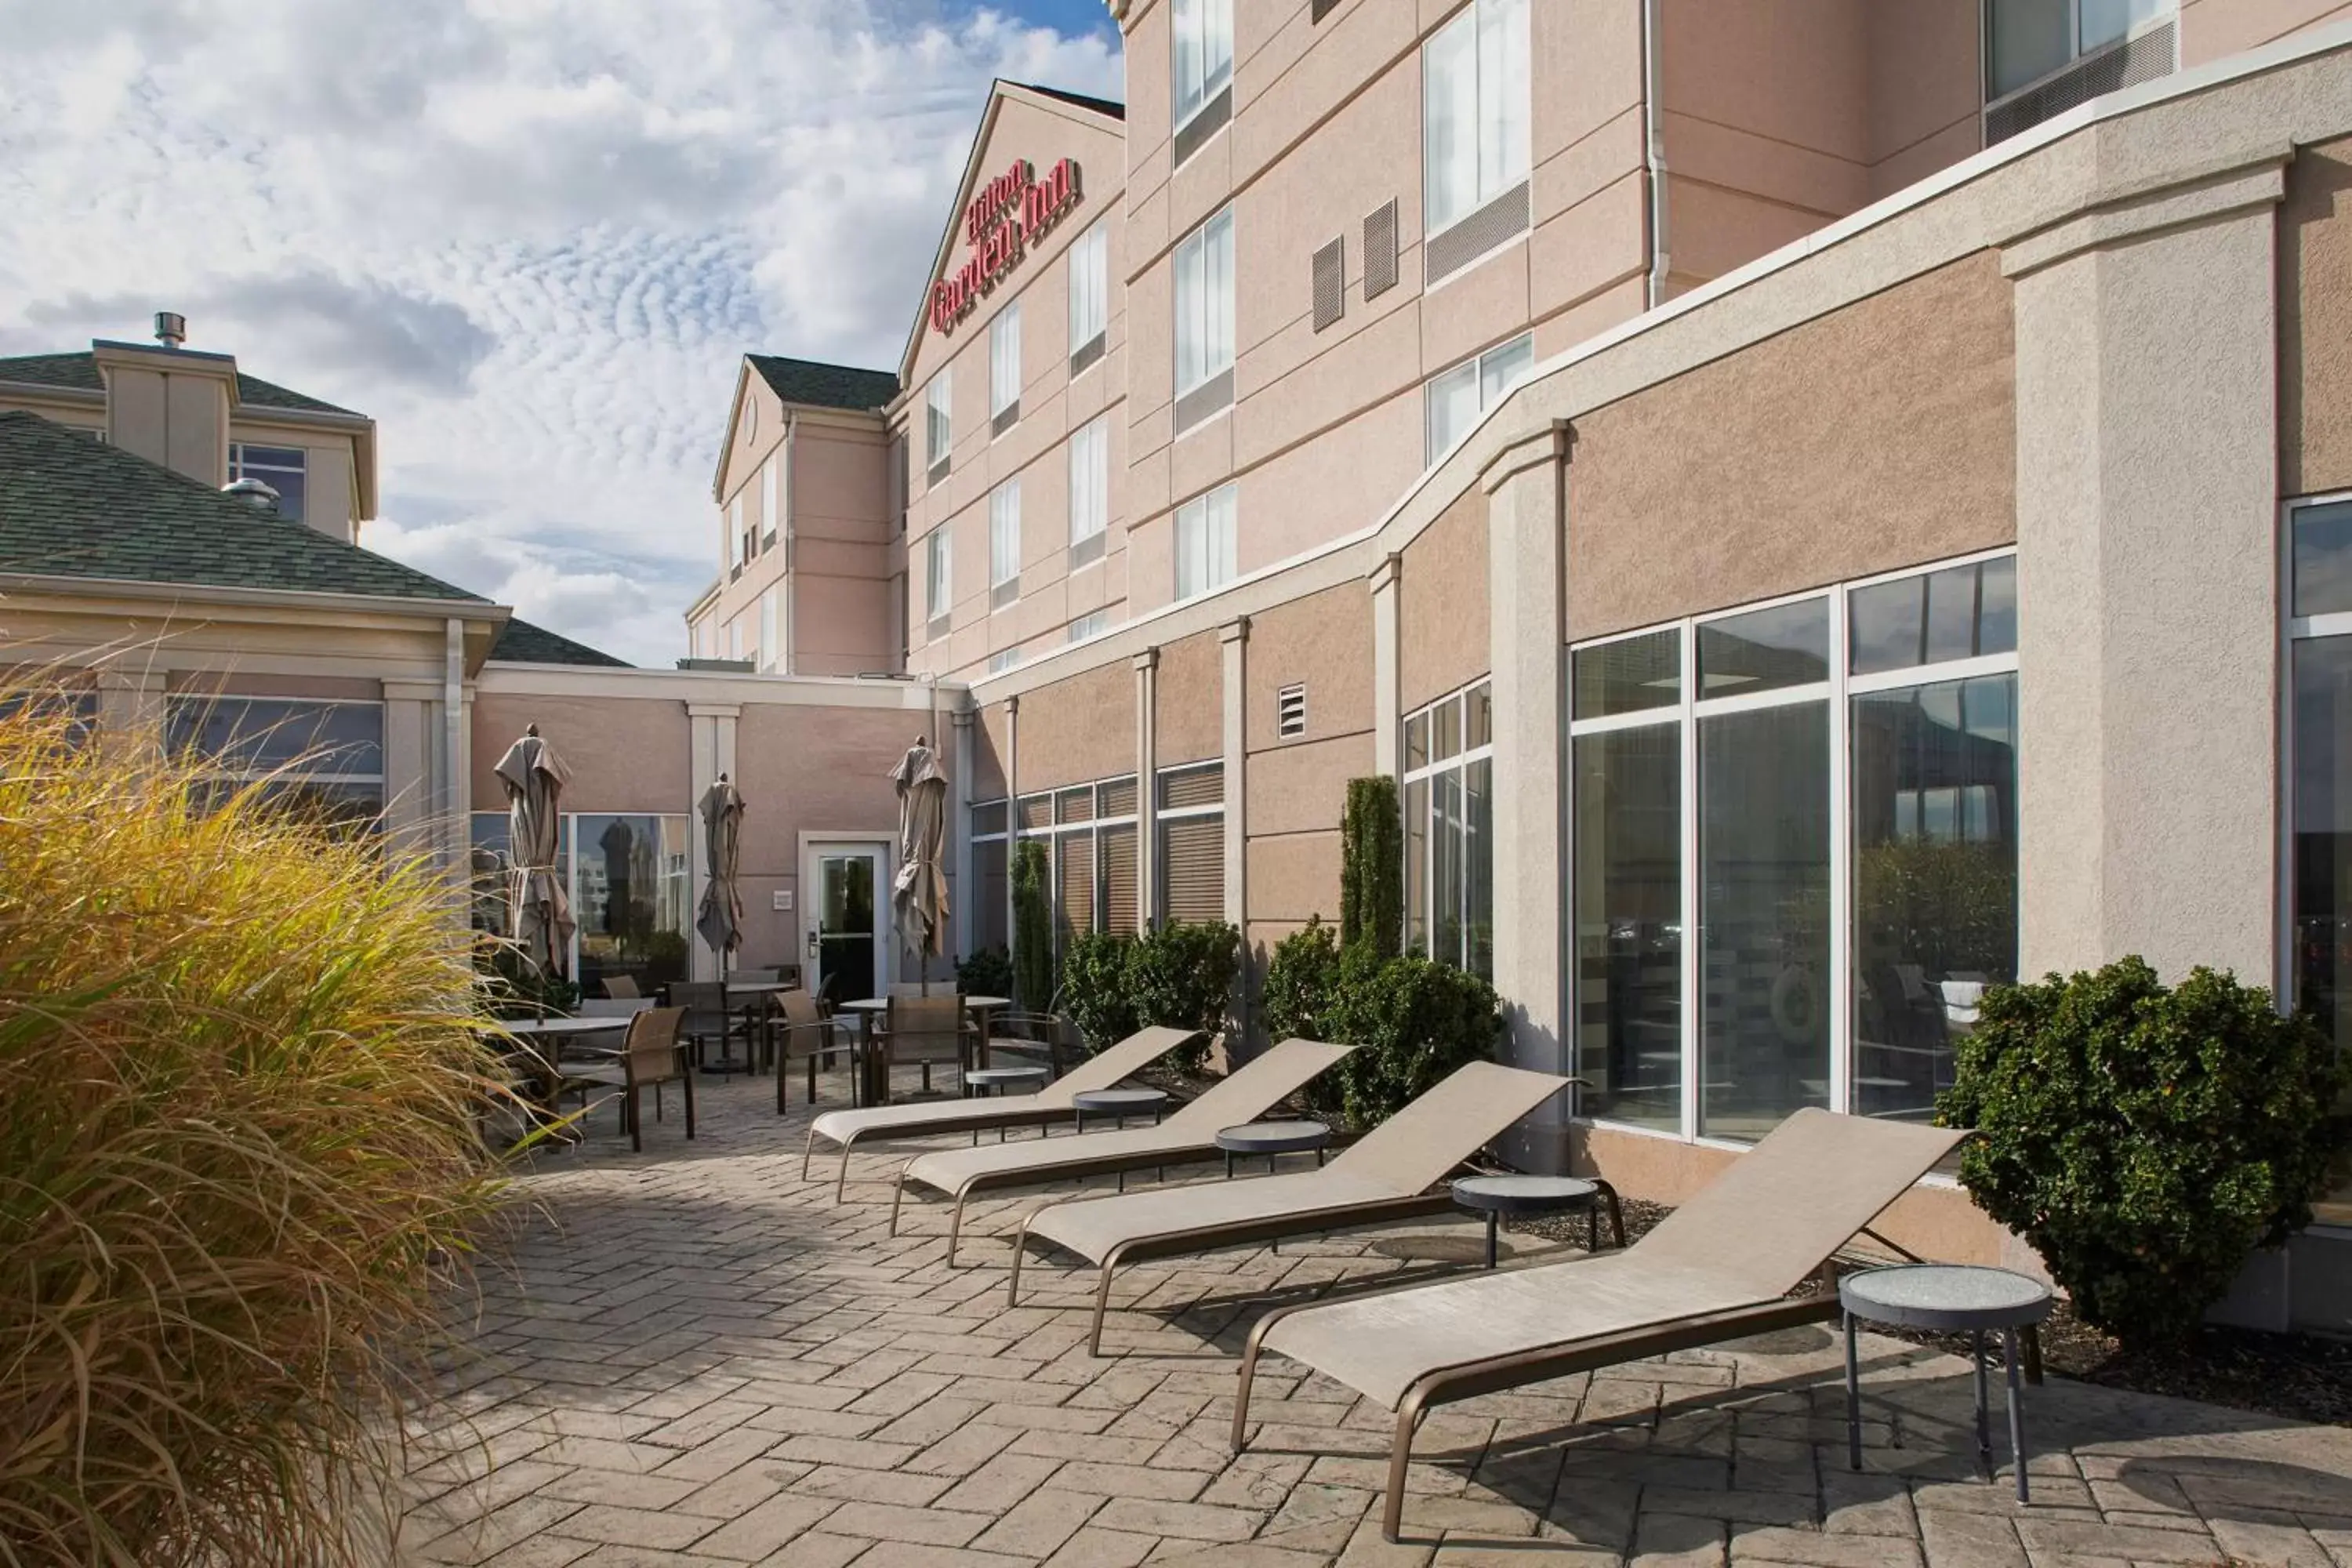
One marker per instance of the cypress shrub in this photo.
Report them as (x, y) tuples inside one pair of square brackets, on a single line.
[(1032, 928), (1371, 868)]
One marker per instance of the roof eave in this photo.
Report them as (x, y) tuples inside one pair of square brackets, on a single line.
[(258, 599), (50, 390)]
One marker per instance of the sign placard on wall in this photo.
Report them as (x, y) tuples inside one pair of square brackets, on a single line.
[(1011, 211)]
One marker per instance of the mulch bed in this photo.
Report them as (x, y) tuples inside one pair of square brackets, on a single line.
[(2297, 1377)]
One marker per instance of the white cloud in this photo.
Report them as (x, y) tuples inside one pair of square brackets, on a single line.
[(530, 237)]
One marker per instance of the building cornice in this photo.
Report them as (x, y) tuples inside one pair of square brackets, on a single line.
[(334, 606)]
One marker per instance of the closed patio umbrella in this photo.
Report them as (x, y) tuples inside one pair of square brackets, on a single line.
[(919, 894), (539, 912), (720, 918)]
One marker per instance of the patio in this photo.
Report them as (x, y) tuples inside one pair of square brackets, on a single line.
[(696, 1359)]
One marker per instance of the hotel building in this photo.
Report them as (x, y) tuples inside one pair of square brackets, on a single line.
[(1821, 506)]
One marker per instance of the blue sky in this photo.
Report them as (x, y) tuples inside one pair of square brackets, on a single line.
[(531, 239)]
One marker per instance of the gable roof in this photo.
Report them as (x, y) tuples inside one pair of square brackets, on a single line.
[(79, 372), (72, 506), (824, 386), (520, 642), (998, 91)]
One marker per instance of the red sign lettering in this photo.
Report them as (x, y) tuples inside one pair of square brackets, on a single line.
[(1005, 218)]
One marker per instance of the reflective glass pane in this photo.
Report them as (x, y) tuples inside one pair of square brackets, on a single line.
[(2323, 559), (1997, 607), (1629, 924), (1500, 369), (1445, 869), (2105, 21), (1478, 868), (629, 897), (1446, 729), (1627, 676), (2026, 39), (261, 735), (1883, 622), (1449, 407), (1764, 917), (1416, 866), (2323, 833), (1935, 889), (1416, 741), (1951, 630), (1478, 718), (1787, 645)]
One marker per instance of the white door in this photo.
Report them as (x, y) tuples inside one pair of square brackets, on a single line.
[(846, 941)]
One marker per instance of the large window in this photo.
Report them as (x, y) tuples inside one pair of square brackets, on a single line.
[(1795, 851), (1089, 296), (1090, 490), (938, 422), (282, 468), (1474, 135), (2026, 40), (1453, 400), (1005, 543), (1004, 368), (1205, 321), (938, 575), (1449, 837), (627, 879), (2320, 776), (772, 648), (317, 758), (1205, 543), (989, 873), (1201, 50), (1192, 843), (1088, 831)]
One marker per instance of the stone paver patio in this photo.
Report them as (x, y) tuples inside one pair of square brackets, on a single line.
[(696, 1359)]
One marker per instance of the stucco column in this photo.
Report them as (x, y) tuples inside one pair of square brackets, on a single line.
[(2147, 567), (413, 798), (1147, 794), (130, 709), (966, 900), (1235, 635), (1526, 486), (1386, 674), (711, 741)]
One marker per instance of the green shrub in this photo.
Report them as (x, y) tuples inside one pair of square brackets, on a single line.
[(1096, 992), (1032, 927), (988, 973), (1182, 976), (1371, 868), (2145, 1140), (239, 1166), (1299, 976), (1416, 1021)]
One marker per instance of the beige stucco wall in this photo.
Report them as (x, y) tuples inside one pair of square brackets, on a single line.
[(625, 756), (1877, 437), (992, 732), (1441, 624), (2315, 246), (1189, 712), (1297, 787), (1079, 730), (2210, 29)]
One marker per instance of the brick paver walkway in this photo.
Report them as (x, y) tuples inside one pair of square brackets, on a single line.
[(696, 1359)]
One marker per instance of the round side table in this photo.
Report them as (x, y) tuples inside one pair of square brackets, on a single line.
[(981, 1080), (1946, 1298), (1274, 1140), (1119, 1104), (1496, 1196)]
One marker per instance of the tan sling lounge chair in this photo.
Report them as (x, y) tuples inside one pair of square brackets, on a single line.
[(1382, 1177), (1190, 1134), (1719, 1267), (1047, 1105)]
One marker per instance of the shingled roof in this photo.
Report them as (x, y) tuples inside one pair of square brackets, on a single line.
[(824, 386), (79, 372), (520, 642), (72, 506)]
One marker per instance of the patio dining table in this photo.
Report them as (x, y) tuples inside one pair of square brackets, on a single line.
[(542, 1040), (866, 1009)]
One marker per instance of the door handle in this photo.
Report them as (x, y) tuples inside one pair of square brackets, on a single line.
[(812, 943)]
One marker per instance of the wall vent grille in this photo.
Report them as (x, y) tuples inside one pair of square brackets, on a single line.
[(1380, 251), (1196, 132), (1330, 283), (1499, 221), (1290, 712)]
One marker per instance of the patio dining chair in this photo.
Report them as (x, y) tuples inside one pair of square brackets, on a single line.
[(801, 1032), (708, 1017), (650, 1057), (927, 1030), (1050, 1039), (621, 985)]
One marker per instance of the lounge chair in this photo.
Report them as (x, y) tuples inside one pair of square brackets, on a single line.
[(1190, 1134), (1043, 1109), (1719, 1267), (1382, 1177)]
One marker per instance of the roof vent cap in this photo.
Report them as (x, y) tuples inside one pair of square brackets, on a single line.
[(170, 329), (256, 493)]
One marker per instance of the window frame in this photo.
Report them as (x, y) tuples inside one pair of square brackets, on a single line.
[(2294, 630), (1090, 447), (174, 702), (1212, 83), (1225, 520), (1091, 304), (939, 578), (1163, 813), (1005, 369), (1057, 832), (1685, 713), (1458, 765), (1476, 364), (2076, 53), (1005, 544), (241, 467), (1195, 251), (1468, 16), (938, 422)]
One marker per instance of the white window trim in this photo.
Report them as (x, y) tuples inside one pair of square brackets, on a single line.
[(1685, 712), (1176, 312), (1458, 764), (1468, 15), (1175, 88), (1054, 833)]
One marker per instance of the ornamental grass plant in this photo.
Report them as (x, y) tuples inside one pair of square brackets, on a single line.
[(239, 1165)]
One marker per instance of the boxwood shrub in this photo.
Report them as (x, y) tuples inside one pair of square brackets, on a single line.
[(1180, 975), (1413, 1020), (2143, 1140)]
